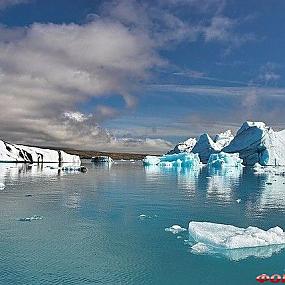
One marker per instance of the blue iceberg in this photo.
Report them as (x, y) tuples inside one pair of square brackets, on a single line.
[(173, 160), (222, 159)]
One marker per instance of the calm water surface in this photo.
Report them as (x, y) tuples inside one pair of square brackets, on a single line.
[(91, 232)]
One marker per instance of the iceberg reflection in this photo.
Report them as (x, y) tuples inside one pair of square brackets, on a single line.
[(12, 171), (240, 253), (220, 181)]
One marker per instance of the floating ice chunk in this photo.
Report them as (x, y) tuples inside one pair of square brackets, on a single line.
[(142, 216), (151, 160), (238, 201), (36, 218), (174, 160), (175, 229), (2, 186), (30, 219), (219, 160), (74, 168), (231, 237)]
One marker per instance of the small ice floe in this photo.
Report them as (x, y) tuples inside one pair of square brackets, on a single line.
[(235, 243), (2, 186), (144, 217), (30, 219), (238, 200), (175, 229), (75, 168)]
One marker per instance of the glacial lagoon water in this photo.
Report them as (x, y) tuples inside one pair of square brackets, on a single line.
[(108, 226)]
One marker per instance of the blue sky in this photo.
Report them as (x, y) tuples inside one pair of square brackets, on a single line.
[(138, 76)]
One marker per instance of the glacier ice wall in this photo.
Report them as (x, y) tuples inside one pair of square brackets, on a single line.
[(20, 153)]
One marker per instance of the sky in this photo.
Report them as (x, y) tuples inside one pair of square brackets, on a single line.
[(138, 76)]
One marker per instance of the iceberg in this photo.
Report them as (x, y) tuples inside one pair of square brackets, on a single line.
[(223, 139), (185, 146), (222, 159), (254, 142), (230, 237), (257, 143), (206, 146), (27, 154), (151, 160), (173, 160)]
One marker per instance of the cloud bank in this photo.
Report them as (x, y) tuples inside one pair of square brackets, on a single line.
[(49, 71)]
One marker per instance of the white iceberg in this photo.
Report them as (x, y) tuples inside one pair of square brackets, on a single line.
[(175, 229), (151, 160), (222, 159), (185, 146), (235, 243), (2, 186), (257, 143), (231, 237), (223, 139), (20, 153), (173, 160)]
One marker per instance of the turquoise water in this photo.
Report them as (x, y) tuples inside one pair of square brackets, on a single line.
[(91, 233)]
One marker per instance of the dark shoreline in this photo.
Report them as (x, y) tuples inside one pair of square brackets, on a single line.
[(87, 154)]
